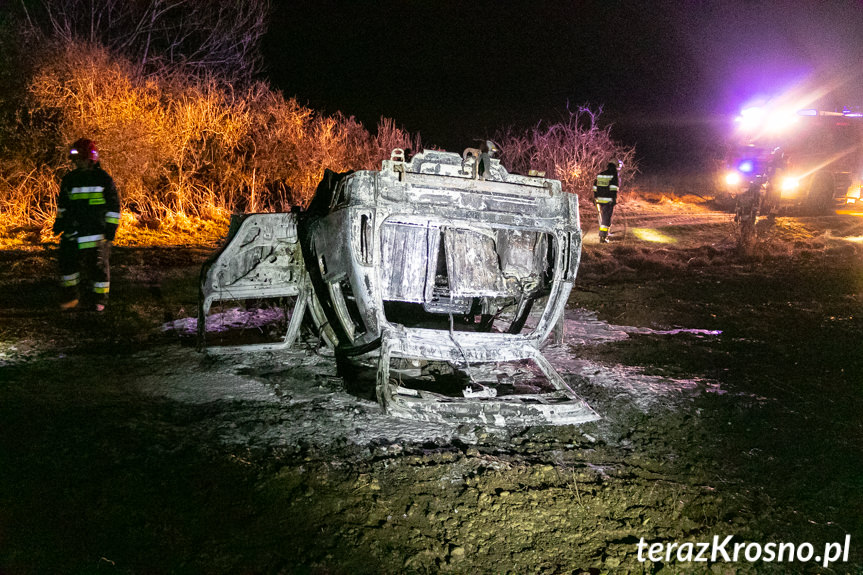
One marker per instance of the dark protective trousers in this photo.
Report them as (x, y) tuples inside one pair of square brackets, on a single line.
[(605, 211), (90, 265)]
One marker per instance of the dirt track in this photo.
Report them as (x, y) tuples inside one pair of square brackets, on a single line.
[(126, 451)]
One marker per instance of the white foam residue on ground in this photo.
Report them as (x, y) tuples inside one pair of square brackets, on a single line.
[(295, 397), (285, 399), (630, 383), (234, 318), (206, 388), (584, 328)]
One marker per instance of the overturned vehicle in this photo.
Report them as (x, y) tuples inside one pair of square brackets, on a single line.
[(444, 273)]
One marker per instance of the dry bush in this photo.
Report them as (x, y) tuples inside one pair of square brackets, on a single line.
[(573, 151), (267, 160), (28, 196), (179, 146), (341, 143), (205, 129), (387, 138), (86, 92), (156, 138), (289, 147), (180, 37)]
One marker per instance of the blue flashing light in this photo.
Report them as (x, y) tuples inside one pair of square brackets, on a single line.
[(746, 166)]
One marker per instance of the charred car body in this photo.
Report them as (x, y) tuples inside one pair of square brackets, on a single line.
[(449, 278)]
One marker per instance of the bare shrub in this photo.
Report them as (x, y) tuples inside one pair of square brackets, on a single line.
[(86, 92), (573, 150), (28, 195), (180, 146), (205, 129), (158, 139), (331, 142), (386, 139), (183, 36), (267, 160), (291, 146)]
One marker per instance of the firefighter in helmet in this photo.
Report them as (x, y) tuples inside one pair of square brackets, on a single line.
[(605, 197), (88, 213)]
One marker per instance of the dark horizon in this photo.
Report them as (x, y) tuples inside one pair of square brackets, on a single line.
[(667, 76)]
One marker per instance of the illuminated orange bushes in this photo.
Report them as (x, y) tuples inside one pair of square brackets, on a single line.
[(181, 146), (178, 145), (573, 150)]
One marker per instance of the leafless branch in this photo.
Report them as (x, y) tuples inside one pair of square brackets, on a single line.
[(189, 35)]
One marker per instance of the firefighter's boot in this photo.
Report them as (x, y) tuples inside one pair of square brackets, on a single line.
[(68, 305)]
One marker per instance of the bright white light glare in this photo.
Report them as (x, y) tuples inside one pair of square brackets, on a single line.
[(789, 184), (733, 178), (771, 120), (780, 120), (788, 187), (750, 118)]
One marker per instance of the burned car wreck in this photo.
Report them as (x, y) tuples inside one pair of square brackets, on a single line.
[(443, 277)]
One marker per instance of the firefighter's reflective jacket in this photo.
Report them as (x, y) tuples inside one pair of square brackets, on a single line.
[(88, 207), (605, 186)]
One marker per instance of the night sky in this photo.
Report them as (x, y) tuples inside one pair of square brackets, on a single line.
[(668, 75)]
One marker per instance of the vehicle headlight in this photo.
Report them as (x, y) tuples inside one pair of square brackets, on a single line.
[(733, 178), (789, 184), (854, 192)]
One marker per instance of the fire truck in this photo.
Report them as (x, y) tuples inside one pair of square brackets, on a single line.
[(810, 158)]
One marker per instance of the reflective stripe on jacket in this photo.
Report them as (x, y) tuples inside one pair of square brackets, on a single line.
[(88, 205), (605, 187)]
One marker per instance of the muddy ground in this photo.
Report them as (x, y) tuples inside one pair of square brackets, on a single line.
[(729, 388)]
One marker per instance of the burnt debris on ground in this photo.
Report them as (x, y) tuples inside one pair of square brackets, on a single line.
[(729, 390)]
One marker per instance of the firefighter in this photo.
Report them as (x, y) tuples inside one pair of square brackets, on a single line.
[(746, 211), (88, 213), (772, 189), (605, 197), (483, 162)]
